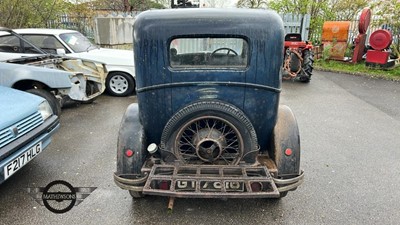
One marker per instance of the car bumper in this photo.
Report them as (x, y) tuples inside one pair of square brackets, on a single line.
[(41, 134), (216, 182)]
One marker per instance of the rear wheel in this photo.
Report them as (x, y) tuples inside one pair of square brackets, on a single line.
[(136, 194), (120, 84), (53, 102), (308, 62), (283, 194)]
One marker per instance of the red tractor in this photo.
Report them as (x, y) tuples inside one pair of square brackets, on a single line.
[(298, 61)]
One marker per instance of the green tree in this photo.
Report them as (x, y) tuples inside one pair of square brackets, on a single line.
[(347, 10), (30, 13), (320, 10), (251, 3), (291, 6), (388, 12), (142, 5)]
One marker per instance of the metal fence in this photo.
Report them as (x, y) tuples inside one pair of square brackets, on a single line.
[(353, 31), (94, 27), (83, 24), (292, 24), (297, 24)]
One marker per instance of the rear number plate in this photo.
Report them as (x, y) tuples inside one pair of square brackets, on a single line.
[(22, 160)]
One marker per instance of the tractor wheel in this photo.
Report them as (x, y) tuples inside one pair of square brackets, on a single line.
[(210, 132), (308, 61), (294, 63)]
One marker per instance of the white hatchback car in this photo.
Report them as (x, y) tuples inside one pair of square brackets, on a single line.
[(121, 70)]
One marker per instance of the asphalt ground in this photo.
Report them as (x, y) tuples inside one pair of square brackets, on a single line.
[(350, 137)]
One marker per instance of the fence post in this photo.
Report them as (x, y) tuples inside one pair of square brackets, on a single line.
[(297, 24), (305, 26)]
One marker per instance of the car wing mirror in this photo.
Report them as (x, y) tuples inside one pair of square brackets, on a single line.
[(60, 51)]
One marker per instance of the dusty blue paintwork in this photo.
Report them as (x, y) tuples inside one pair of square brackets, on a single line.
[(16, 105), (162, 90)]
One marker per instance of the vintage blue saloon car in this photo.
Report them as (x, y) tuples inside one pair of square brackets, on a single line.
[(208, 122), (26, 126)]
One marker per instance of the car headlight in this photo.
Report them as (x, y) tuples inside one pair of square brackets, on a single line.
[(45, 110)]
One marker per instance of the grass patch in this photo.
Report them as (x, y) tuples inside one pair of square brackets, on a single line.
[(358, 69)]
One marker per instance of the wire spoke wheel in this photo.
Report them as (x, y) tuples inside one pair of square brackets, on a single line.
[(209, 133), (209, 140)]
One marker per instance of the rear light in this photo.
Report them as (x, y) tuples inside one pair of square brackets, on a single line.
[(256, 187), (164, 185), (288, 152), (129, 153)]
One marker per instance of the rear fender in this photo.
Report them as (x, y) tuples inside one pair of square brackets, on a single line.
[(286, 139), (131, 136)]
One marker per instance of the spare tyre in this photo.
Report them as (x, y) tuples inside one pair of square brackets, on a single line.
[(209, 132)]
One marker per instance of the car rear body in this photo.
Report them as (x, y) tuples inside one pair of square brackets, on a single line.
[(208, 123)]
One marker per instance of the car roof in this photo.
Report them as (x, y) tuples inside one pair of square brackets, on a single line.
[(257, 24), (43, 31)]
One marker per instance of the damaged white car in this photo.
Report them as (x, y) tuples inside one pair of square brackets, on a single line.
[(56, 86), (86, 77), (120, 79)]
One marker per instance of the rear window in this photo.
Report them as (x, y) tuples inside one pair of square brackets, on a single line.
[(208, 52)]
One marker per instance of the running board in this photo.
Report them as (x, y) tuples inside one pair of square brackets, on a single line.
[(211, 181)]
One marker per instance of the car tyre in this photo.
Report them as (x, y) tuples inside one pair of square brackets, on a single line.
[(210, 110), (53, 102), (120, 84), (136, 194), (283, 194)]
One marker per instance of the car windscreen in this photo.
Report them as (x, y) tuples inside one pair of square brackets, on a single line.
[(208, 52), (47, 43), (77, 42)]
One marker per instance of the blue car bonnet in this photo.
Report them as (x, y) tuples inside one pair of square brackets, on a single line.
[(15, 105)]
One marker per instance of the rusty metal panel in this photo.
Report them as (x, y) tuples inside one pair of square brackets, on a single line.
[(335, 31), (211, 181)]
